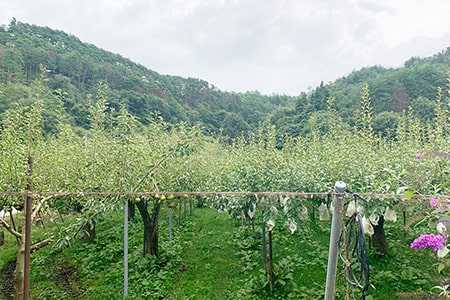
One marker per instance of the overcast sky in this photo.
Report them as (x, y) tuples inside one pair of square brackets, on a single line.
[(273, 46)]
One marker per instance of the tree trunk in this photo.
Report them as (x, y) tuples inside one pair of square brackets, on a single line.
[(142, 207), (155, 230), (150, 227), (20, 265), (89, 232), (379, 238)]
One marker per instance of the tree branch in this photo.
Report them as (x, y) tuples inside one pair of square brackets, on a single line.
[(157, 164), (42, 202), (10, 229), (41, 244)]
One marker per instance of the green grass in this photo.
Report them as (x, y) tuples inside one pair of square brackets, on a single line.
[(8, 251), (213, 257), (211, 269)]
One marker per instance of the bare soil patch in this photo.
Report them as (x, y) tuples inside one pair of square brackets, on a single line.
[(420, 296), (7, 282)]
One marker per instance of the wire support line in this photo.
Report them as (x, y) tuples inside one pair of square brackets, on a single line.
[(304, 195)]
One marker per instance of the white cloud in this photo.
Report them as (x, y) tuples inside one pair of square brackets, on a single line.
[(280, 46)]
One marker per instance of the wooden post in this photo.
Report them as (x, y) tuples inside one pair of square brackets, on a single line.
[(336, 224), (28, 208), (125, 248)]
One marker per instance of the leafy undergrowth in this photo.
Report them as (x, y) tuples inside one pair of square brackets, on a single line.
[(213, 257), (211, 263)]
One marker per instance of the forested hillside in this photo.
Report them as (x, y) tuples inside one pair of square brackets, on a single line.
[(411, 89), (73, 71)]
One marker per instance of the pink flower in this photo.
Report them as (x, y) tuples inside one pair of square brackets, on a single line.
[(419, 155), (434, 201), (429, 240)]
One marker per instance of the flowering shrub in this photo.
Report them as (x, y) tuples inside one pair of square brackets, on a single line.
[(437, 242), (441, 208), (429, 240)]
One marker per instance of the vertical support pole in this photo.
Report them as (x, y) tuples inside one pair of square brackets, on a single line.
[(185, 209), (336, 224), (28, 208), (125, 249)]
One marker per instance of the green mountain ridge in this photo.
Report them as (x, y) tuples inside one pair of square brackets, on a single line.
[(394, 92), (73, 70)]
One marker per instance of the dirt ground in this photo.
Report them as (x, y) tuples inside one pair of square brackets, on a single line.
[(420, 296), (7, 282)]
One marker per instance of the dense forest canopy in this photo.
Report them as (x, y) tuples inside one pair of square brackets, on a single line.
[(74, 70)]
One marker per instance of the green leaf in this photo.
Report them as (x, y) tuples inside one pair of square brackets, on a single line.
[(403, 173), (443, 252), (409, 194), (441, 267)]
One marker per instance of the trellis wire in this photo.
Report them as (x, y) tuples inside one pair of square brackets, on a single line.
[(300, 195)]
